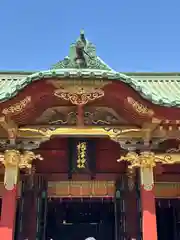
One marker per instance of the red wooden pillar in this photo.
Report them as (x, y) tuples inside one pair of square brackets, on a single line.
[(8, 214), (80, 115), (149, 228)]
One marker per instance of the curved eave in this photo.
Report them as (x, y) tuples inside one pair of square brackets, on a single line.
[(12, 88)]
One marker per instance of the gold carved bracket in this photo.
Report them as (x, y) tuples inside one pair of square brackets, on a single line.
[(149, 159), (79, 92), (13, 160), (146, 161)]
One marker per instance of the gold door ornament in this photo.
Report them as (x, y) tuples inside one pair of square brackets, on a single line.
[(146, 161), (13, 160)]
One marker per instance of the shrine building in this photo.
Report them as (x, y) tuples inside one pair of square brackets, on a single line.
[(86, 151)]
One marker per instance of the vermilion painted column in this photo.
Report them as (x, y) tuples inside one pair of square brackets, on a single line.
[(80, 115), (149, 228), (10, 159), (8, 214)]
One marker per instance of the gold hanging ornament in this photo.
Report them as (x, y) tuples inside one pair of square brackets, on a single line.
[(13, 160)]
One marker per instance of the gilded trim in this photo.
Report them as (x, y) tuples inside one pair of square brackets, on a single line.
[(140, 108), (17, 107)]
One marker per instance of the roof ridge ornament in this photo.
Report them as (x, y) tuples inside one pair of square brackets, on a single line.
[(80, 47), (82, 55)]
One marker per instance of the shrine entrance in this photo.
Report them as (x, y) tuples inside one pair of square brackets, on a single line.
[(79, 218), (168, 219)]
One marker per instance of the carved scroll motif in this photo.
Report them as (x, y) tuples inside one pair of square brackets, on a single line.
[(58, 116), (17, 107), (78, 92), (80, 95), (100, 117), (146, 161), (140, 108), (69, 119), (174, 150), (13, 160)]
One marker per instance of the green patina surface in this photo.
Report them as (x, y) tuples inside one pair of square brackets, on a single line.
[(159, 88)]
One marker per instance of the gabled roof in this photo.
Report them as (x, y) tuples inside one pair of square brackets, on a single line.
[(159, 88)]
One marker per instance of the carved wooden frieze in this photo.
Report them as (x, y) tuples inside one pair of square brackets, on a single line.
[(92, 116), (101, 116), (58, 116), (81, 189)]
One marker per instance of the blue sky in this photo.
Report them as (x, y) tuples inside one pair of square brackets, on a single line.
[(130, 35)]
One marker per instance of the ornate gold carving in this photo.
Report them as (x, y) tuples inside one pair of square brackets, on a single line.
[(81, 155), (79, 92), (146, 159), (13, 160), (48, 132), (80, 95), (140, 108), (17, 107), (116, 134)]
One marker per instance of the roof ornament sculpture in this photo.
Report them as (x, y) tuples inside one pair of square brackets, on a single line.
[(82, 55), (80, 47)]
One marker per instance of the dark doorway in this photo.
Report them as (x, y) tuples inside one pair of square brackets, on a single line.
[(167, 213), (76, 218)]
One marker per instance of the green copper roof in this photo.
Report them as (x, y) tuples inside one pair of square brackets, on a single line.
[(83, 62)]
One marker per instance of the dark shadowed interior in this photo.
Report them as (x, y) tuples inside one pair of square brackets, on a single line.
[(80, 218), (168, 214)]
